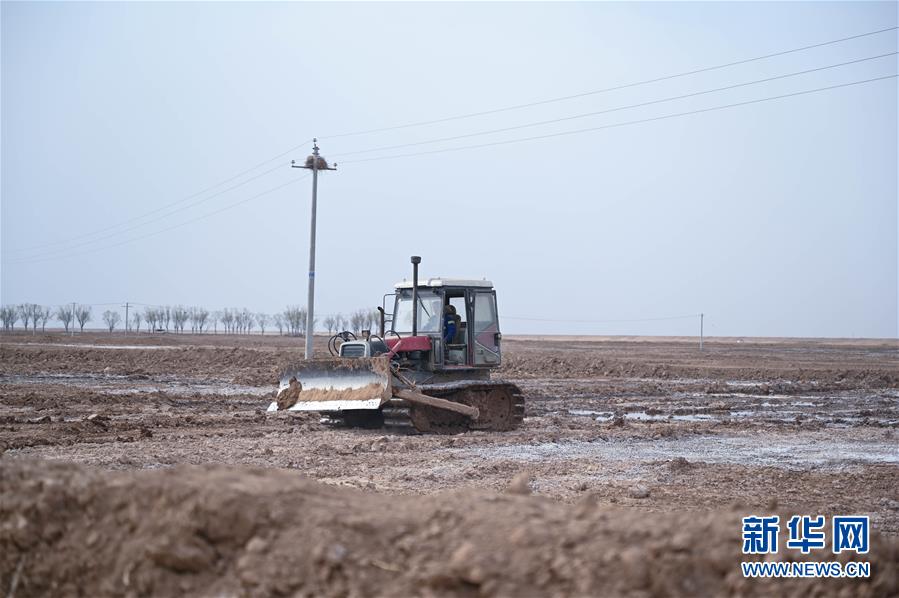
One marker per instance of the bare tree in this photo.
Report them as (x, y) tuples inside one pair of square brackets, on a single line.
[(290, 318), (9, 314), (295, 317), (65, 315), (25, 314), (340, 323), (37, 311), (31, 312), (152, 317), (247, 321), (179, 315), (262, 321), (330, 322), (165, 316), (194, 316), (227, 319), (43, 317), (359, 320), (183, 315), (112, 319), (83, 315), (278, 319), (136, 319), (216, 318), (198, 317)]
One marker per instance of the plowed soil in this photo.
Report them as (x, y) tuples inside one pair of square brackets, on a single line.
[(148, 466)]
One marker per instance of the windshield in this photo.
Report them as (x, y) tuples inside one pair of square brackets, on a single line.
[(430, 309)]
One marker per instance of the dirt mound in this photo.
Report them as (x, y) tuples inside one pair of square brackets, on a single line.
[(68, 530), (240, 365)]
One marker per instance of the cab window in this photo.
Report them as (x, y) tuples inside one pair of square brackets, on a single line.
[(430, 312), (485, 313)]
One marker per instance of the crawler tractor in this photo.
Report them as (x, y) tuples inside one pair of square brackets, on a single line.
[(413, 377)]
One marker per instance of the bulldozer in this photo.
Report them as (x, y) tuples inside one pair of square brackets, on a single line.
[(427, 372)]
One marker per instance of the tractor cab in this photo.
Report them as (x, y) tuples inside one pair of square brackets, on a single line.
[(469, 304)]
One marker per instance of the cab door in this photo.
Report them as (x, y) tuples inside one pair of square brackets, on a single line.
[(484, 329)]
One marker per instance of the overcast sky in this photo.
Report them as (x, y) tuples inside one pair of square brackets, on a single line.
[(777, 218)]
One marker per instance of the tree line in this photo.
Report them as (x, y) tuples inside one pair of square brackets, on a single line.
[(38, 315), (198, 320)]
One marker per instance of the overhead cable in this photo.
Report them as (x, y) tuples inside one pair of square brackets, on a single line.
[(613, 88), (624, 124), (617, 108), (158, 232), (171, 204)]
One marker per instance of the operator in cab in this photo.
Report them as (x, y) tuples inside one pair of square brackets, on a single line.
[(449, 324)]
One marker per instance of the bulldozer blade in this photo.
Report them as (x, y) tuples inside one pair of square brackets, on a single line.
[(334, 385)]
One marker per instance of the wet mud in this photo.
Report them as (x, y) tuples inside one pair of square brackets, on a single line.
[(654, 430)]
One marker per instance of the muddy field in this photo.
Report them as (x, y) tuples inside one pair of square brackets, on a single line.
[(636, 455)]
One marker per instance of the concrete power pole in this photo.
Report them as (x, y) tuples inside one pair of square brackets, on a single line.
[(126, 318), (314, 162), (701, 323)]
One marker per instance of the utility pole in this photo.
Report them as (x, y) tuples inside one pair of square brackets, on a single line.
[(126, 318), (701, 322), (314, 162)]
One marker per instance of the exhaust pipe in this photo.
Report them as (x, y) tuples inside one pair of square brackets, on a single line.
[(415, 261)]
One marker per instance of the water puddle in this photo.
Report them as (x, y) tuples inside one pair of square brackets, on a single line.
[(837, 417), (653, 417), (773, 451), (878, 408), (606, 416)]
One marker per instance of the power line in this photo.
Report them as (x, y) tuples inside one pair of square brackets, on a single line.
[(69, 247), (616, 109), (609, 89), (623, 124), (34, 259), (164, 230), (469, 115), (65, 242), (174, 203), (421, 123)]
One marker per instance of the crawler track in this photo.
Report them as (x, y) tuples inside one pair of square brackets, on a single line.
[(501, 407), (353, 419)]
